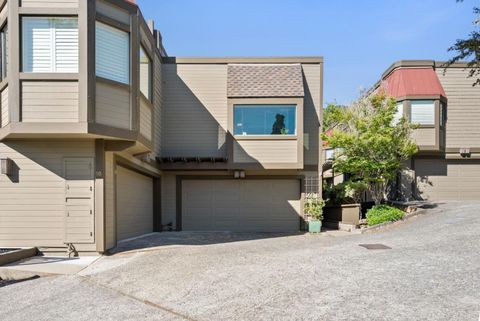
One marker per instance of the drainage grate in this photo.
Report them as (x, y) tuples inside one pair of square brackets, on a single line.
[(375, 246), (5, 250)]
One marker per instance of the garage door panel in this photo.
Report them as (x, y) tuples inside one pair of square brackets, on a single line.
[(242, 205), (459, 181), (134, 203)]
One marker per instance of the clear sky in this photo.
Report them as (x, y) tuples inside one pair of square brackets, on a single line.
[(358, 39)]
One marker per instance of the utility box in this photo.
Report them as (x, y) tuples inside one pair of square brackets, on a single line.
[(6, 166)]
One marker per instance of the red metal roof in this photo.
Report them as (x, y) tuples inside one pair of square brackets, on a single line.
[(412, 82)]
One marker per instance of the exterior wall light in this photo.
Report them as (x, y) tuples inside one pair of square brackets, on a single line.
[(6, 165), (465, 152), (239, 174)]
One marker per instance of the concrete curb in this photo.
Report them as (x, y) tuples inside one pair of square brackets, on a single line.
[(388, 224)]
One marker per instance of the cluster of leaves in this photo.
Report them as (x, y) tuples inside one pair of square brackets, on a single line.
[(314, 208), (371, 145), (383, 213), (469, 50), (345, 193)]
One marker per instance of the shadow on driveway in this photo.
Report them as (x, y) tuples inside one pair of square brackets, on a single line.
[(191, 238)]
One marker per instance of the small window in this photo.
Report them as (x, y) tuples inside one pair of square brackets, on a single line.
[(112, 53), (50, 44), (398, 114), (145, 74), (4, 53), (443, 114), (329, 154), (423, 112), (264, 120)]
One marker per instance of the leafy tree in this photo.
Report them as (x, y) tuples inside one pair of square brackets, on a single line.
[(330, 116), (372, 147), (469, 49)]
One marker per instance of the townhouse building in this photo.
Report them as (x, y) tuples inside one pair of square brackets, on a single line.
[(445, 105), (104, 137)]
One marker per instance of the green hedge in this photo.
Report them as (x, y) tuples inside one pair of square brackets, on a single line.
[(383, 213)]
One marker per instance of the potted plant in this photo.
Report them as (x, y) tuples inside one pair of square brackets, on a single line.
[(343, 208), (314, 210)]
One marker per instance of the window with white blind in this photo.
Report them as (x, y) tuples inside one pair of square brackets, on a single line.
[(112, 53), (398, 114), (422, 112), (145, 73), (50, 44)]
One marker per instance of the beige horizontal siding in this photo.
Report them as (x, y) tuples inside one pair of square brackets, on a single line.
[(265, 151), (168, 199), (49, 101), (112, 106), (312, 107), (424, 136), (32, 201), (49, 3), (135, 203), (463, 110), (145, 120), (112, 12), (4, 12), (110, 236), (194, 110), (157, 105), (4, 108), (439, 179)]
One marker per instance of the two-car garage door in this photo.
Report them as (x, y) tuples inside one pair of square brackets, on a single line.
[(134, 203), (248, 205), (440, 179)]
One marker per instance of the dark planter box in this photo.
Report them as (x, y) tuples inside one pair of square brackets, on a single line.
[(346, 214)]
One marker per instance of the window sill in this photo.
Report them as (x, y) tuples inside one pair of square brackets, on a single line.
[(48, 76)]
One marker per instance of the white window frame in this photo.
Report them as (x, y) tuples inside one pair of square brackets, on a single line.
[(27, 48), (428, 107)]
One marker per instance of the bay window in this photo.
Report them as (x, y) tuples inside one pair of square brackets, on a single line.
[(50, 44), (422, 112), (264, 120), (112, 53)]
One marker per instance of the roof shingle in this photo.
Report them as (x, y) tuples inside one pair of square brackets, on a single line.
[(265, 80)]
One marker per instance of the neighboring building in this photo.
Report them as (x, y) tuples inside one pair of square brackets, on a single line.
[(103, 137), (447, 108)]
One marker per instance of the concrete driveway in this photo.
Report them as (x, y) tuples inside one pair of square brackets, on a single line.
[(431, 272)]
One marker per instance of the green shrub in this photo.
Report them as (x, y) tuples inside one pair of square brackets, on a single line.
[(314, 208), (383, 213)]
